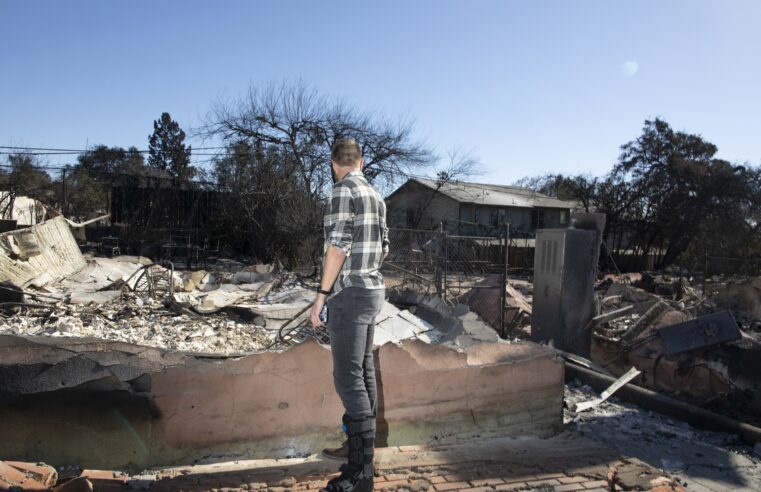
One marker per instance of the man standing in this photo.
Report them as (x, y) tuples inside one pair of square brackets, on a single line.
[(356, 242)]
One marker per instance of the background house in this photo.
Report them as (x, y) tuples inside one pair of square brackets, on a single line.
[(474, 208)]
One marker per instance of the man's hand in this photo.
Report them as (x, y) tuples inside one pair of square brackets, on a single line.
[(314, 317)]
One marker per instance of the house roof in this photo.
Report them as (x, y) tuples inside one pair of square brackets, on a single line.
[(495, 195)]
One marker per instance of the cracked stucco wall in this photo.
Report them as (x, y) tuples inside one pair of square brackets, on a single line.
[(178, 408)]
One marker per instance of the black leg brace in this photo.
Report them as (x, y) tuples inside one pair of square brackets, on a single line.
[(357, 474)]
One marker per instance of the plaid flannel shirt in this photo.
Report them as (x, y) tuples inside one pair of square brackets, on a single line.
[(356, 224)]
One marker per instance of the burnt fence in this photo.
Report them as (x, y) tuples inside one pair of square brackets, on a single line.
[(459, 269)]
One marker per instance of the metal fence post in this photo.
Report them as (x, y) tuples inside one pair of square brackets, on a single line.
[(438, 263), (503, 284), (445, 238)]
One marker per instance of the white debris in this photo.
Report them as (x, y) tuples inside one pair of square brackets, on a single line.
[(232, 310)]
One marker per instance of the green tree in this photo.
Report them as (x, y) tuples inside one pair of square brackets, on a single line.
[(669, 196), (89, 181), (167, 151), (105, 160)]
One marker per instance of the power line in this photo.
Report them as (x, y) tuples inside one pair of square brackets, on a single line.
[(46, 151), (98, 148), (105, 151)]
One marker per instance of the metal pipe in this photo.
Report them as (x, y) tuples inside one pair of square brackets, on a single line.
[(650, 400)]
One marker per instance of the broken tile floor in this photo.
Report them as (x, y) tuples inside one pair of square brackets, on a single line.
[(615, 446)]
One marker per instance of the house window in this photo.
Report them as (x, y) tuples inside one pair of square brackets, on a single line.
[(498, 217), (410, 217), (563, 217), (537, 219)]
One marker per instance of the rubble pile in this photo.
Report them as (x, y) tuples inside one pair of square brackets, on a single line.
[(702, 348), (227, 309), (132, 300), (700, 459), (139, 320), (741, 296)]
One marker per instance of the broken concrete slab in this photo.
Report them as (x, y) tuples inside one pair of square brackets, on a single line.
[(12, 478), (144, 407), (40, 472)]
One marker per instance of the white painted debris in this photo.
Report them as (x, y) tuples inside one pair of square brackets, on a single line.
[(47, 248), (618, 384)]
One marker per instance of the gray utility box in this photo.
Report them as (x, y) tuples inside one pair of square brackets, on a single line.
[(564, 275)]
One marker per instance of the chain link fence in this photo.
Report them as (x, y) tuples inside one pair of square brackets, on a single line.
[(459, 269)]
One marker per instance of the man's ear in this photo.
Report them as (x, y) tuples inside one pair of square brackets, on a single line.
[(361, 164)]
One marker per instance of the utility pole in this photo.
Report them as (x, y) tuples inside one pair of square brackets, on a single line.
[(63, 192)]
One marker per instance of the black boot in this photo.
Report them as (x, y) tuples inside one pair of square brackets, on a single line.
[(339, 453), (357, 474)]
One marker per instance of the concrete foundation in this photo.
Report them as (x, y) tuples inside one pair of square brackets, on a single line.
[(267, 404)]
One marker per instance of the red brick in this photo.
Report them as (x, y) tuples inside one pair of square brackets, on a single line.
[(486, 481), (571, 479), (537, 483), (391, 485), (457, 477), (391, 477), (519, 478), (595, 484), (478, 489), (512, 486), (569, 487), (98, 474), (452, 486), (545, 476), (436, 479)]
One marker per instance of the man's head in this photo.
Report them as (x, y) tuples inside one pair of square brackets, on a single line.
[(346, 156)]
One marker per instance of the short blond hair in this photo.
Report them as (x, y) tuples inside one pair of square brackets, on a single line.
[(346, 152)]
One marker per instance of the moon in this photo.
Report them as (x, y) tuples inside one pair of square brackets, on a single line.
[(629, 68)]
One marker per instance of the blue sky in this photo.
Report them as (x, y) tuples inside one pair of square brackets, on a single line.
[(531, 87)]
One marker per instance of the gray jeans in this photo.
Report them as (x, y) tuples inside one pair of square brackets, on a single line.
[(351, 323)]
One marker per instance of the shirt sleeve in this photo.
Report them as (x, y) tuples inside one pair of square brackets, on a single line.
[(340, 219), (383, 226)]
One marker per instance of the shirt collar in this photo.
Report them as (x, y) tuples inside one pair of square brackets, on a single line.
[(353, 173)]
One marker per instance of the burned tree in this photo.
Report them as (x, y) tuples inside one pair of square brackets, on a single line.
[(461, 165), (23, 176), (278, 146)]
